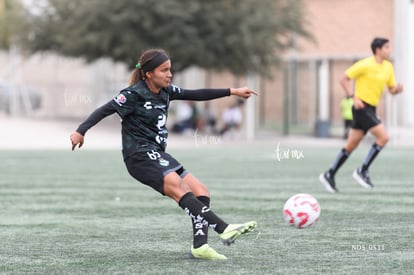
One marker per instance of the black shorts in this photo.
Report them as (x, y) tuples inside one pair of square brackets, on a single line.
[(151, 167), (365, 118)]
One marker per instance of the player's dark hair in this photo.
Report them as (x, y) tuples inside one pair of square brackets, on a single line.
[(377, 43), (148, 61)]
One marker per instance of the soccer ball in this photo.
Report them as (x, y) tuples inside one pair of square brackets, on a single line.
[(301, 210)]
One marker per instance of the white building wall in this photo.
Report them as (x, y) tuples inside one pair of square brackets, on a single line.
[(404, 62)]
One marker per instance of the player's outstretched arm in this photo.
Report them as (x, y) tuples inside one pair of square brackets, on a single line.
[(76, 139)]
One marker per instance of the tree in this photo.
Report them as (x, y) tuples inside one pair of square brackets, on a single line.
[(13, 25), (216, 34)]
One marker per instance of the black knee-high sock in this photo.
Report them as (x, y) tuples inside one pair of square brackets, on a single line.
[(340, 159), (200, 213), (372, 154), (200, 231)]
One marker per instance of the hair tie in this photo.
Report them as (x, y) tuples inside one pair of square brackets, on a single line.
[(138, 65)]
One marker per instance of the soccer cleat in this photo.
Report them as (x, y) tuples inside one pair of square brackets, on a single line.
[(328, 182), (234, 231), (206, 252), (363, 178)]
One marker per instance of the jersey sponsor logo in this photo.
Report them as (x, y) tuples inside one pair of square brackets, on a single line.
[(162, 119), (120, 99), (162, 107), (148, 105), (160, 139)]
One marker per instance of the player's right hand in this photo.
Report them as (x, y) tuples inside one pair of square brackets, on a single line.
[(243, 92), (358, 104), (76, 139)]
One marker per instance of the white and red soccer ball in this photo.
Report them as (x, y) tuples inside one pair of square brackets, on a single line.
[(301, 210)]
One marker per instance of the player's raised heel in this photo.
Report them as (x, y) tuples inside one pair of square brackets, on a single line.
[(206, 252), (234, 231)]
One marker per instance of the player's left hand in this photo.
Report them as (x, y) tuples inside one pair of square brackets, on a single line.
[(76, 139), (243, 92)]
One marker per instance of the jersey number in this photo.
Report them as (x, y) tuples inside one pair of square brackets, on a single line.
[(154, 155)]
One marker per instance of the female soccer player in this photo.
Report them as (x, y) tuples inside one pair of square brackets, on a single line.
[(143, 107), (371, 75)]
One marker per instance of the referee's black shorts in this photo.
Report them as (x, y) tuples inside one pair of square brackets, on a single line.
[(365, 118), (150, 168)]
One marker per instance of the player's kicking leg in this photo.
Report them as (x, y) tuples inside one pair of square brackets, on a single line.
[(234, 231)]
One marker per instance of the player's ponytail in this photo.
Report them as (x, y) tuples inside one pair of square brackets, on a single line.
[(148, 61), (135, 76)]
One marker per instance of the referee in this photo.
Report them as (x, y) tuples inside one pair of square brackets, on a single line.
[(371, 75), (143, 108)]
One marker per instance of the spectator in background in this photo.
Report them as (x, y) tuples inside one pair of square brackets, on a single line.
[(207, 121), (187, 117), (232, 117), (346, 109)]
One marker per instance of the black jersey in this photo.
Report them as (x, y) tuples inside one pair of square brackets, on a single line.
[(144, 114)]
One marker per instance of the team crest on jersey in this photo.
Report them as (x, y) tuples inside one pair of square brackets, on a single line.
[(120, 99), (164, 162)]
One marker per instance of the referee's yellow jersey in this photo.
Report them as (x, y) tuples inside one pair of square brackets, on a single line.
[(371, 79)]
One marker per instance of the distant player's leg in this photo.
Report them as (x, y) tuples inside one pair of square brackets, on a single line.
[(328, 178), (361, 174)]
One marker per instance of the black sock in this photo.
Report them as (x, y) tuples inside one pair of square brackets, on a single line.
[(372, 154), (200, 213), (200, 231), (340, 159)]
